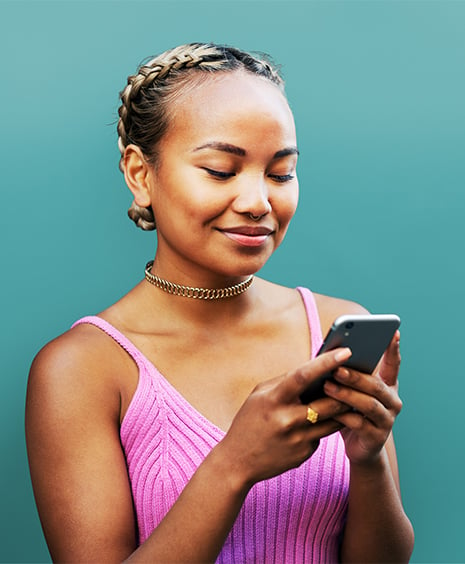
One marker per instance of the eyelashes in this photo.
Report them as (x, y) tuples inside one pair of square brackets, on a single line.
[(282, 177), (220, 175)]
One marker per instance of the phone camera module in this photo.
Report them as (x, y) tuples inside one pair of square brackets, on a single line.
[(349, 325)]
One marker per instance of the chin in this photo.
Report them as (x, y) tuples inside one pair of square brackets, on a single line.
[(252, 267)]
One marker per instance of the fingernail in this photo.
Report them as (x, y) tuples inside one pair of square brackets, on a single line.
[(342, 354), (342, 373), (331, 387)]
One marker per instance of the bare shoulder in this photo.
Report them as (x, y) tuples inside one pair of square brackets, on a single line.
[(330, 307), (276, 296), (72, 434), (76, 368), (281, 299)]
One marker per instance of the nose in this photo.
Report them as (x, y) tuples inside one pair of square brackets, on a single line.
[(252, 197)]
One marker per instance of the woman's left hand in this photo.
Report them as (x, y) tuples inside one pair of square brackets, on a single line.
[(375, 405)]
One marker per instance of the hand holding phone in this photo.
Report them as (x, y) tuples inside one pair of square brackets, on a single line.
[(367, 336)]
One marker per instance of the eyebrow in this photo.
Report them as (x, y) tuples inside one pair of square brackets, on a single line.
[(234, 150), (286, 152)]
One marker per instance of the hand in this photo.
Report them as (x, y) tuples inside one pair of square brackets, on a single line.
[(270, 434), (375, 405)]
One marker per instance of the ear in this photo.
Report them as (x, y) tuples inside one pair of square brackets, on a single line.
[(138, 175)]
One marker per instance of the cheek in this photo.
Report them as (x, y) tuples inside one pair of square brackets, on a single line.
[(285, 208), (285, 205), (203, 210), (185, 197)]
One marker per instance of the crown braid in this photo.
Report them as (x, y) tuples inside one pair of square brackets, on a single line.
[(144, 101)]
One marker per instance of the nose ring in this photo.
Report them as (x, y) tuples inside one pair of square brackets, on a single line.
[(255, 217)]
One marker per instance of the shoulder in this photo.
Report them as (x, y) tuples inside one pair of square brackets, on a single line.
[(284, 302), (329, 308), (72, 434), (77, 369), (82, 349), (287, 299)]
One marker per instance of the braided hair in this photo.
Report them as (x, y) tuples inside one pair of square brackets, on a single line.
[(144, 111)]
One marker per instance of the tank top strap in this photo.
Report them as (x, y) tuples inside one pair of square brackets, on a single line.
[(313, 319), (111, 331)]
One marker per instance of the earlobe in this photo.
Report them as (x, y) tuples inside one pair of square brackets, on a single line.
[(137, 173)]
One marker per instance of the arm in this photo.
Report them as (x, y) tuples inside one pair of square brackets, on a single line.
[(79, 473), (377, 529), (77, 467)]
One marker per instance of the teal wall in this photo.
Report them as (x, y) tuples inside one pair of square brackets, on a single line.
[(378, 91)]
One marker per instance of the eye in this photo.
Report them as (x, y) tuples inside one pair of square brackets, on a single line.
[(281, 177), (219, 174)]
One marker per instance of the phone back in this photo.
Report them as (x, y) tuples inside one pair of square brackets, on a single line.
[(367, 336)]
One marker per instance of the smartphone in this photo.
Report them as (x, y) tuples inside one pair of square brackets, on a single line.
[(367, 336)]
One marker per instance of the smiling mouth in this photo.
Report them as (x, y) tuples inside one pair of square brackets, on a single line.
[(248, 236)]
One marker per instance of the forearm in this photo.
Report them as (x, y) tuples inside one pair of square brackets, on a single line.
[(377, 529), (196, 527)]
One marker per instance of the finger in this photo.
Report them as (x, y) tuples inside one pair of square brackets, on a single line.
[(309, 436), (297, 381), (373, 399), (324, 409), (356, 385), (390, 362), (317, 431), (370, 414), (370, 437)]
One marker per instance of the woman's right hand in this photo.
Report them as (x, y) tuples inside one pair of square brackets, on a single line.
[(271, 434)]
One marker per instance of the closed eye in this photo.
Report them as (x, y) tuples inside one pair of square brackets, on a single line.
[(219, 174), (281, 177)]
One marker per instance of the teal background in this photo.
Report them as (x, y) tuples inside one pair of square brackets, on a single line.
[(378, 92)]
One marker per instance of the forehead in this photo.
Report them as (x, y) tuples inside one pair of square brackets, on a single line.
[(229, 105)]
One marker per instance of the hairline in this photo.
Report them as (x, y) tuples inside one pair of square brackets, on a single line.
[(195, 77)]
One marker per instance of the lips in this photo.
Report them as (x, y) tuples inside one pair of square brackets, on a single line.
[(248, 235)]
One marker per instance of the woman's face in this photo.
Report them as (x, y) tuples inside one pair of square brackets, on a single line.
[(230, 152)]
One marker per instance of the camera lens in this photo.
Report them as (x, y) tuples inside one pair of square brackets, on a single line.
[(349, 325)]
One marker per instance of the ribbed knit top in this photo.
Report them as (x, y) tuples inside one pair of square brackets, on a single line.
[(295, 517)]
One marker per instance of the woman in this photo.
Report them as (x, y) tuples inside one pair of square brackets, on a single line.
[(170, 427)]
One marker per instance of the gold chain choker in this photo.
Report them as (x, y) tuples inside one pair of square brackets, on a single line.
[(196, 293)]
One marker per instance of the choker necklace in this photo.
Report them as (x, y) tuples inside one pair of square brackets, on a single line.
[(197, 293)]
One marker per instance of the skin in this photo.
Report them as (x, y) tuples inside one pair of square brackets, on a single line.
[(81, 383)]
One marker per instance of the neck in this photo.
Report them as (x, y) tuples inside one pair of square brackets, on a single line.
[(186, 274), (196, 292), (214, 315), (208, 312)]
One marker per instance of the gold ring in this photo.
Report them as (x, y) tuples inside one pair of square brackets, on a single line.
[(312, 415)]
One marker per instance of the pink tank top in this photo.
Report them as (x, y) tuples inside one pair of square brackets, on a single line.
[(295, 517)]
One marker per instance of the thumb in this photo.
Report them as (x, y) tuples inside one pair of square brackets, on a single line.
[(297, 381), (390, 362)]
